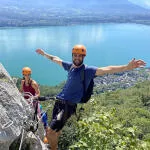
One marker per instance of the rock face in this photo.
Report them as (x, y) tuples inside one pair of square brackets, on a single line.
[(14, 111)]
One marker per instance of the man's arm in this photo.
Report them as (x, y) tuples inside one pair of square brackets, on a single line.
[(114, 69), (50, 57)]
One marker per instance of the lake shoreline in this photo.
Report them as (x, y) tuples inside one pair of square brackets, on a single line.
[(76, 24)]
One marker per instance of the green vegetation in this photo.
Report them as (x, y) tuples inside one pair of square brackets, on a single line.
[(117, 120), (113, 120), (51, 90)]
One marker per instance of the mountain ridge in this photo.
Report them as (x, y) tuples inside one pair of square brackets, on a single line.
[(107, 4), (55, 12)]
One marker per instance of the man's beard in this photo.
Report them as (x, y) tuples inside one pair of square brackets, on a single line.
[(78, 64)]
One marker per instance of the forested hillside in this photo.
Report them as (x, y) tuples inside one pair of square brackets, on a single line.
[(113, 120)]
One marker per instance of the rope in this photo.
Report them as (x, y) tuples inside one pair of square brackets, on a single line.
[(21, 140)]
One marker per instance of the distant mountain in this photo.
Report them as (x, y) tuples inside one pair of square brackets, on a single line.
[(97, 5), (60, 12)]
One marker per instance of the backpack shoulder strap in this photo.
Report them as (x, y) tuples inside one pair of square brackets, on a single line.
[(83, 73), (83, 78)]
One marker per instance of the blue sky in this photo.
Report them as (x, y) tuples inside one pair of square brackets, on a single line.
[(143, 3)]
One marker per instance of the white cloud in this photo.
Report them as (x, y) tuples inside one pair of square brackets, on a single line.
[(147, 3), (142, 3)]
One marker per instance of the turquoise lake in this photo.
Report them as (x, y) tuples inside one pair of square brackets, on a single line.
[(107, 44)]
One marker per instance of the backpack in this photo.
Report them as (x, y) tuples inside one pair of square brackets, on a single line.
[(86, 93)]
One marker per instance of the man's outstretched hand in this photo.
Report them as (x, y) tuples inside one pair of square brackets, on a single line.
[(135, 64), (40, 51)]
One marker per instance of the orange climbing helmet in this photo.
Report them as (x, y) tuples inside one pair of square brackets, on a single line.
[(79, 49), (26, 71)]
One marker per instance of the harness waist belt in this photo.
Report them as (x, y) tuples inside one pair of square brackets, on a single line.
[(65, 102)]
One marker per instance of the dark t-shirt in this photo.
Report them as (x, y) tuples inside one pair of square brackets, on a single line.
[(73, 89)]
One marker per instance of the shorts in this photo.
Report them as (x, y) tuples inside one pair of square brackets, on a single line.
[(62, 111)]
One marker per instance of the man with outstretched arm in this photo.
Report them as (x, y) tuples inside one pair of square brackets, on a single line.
[(72, 91)]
